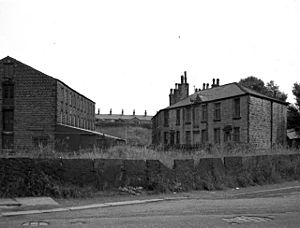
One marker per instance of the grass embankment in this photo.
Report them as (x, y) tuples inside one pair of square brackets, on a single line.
[(167, 157)]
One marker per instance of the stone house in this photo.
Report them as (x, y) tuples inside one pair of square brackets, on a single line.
[(218, 115), (39, 110)]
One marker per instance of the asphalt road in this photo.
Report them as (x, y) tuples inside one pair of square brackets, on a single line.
[(269, 208)]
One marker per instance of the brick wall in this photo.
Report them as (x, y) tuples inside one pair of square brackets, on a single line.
[(34, 105)]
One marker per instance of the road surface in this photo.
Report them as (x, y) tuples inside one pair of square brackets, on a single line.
[(268, 208)]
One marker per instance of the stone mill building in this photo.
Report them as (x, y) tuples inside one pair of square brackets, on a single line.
[(219, 114)]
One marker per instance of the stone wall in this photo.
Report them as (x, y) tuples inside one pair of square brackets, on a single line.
[(267, 122), (32, 177)]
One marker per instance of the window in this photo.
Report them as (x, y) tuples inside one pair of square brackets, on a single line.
[(40, 141), (177, 137), (187, 115), (7, 141), (165, 138), (204, 113), (166, 118), (196, 117), (236, 108), (217, 112), (172, 138), (217, 135), (178, 117), (236, 134), (8, 120), (204, 136), (188, 139), (8, 90)]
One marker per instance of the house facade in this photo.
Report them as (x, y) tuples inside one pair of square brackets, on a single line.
[(39, 110), (218, 115)]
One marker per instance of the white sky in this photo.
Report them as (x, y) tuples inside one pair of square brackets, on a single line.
[(128, 54)]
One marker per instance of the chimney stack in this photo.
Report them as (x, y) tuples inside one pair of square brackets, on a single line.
[(98, 111), (145, 112), (203, 86), (182, 79), (185, 78), (110, 111), (122, 112)]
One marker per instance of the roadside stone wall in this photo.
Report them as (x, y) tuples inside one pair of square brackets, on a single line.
[(33, 177)]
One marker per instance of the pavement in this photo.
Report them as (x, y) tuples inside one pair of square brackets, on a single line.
[(40, 205)]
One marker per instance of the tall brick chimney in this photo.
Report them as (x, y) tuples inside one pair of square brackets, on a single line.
[(181, 90)]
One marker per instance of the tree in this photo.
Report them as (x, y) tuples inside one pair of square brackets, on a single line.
[(273, 91), (296, 92), (270, 89), (293, 117), (254, 83)]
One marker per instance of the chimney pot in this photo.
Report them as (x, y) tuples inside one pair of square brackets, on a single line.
[(207, 85), (122, 112), (176, 86), (134, 112), (213, 82), (145, 112), (98, 111), (171, 91), (110, 111), (185, 78), (218, 81)]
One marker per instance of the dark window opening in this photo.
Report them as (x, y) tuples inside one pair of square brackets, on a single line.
[(8, 120), (196, 117), (172, 138), (177, 137), (188, 115), (217, 135), (227, 136), (7, 141), (8, 90), (178, 117), (188, 139), (236, 134), (165, 138), (236, 108), (217, 111), (204, 113), (204, 136)]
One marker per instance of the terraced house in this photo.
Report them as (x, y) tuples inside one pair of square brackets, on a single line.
[(218, 115), (39, 110)]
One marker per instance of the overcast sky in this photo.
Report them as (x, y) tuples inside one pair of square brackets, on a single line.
[(128, 54)]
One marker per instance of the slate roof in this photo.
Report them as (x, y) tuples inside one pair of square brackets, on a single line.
[(221, 92)]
